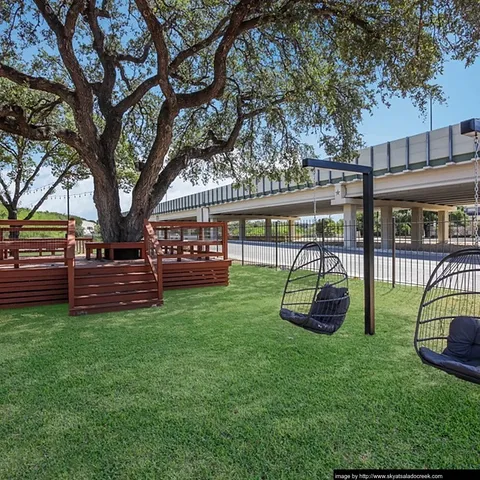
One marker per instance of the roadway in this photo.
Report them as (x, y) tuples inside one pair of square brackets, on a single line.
[(411, 267)]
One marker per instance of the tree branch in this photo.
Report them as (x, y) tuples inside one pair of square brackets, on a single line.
[(156, 30), (7, 197), (215, 89), (49, 191), (39, 165), (37, 83), (189, 52), (126, 57), (135, 97), (65, 45), (107, 60), (13, 121)]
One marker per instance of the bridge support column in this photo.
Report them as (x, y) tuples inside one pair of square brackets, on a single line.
[(291, 230), (349, 225), (203, 214), (386, 218), (443, 227), (417, 227), (268, 229), (242, 229)]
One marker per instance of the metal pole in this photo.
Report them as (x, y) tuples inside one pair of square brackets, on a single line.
[(431, 114), (394, 253), (243, 241), (368, 253), (368, 220), (68, 200), (276, 245)]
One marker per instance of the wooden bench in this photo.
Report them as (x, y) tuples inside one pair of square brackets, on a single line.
[(109, 248)]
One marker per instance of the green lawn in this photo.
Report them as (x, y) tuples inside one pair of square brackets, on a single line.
[(215, 385)]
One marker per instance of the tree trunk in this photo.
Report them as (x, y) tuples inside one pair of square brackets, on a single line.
[(13, 215), (107, 201)]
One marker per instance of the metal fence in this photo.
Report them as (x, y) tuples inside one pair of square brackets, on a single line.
[(406, 253)]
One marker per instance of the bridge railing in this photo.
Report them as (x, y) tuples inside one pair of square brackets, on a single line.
[(425, 150)]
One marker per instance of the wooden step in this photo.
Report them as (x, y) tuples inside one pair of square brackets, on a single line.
[(111, 269), (108, 287), (117, 277), (114, 307), (112, 298)]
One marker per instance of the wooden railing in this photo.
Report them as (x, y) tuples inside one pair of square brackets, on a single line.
[(33, 241), (192, 240), (80, 244), (153, 256)]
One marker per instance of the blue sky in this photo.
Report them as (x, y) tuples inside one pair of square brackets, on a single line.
[(402, 119)]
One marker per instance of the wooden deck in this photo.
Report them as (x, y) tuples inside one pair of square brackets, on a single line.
[(103, 285)]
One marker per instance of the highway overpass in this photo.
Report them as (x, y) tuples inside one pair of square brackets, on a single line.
[(429, 171)]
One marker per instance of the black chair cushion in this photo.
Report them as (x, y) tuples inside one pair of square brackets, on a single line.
[(450, 365), (327, 313), (463, 341)]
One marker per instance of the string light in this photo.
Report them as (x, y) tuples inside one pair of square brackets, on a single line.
[(63, 197), (72, 195), (43, 188)]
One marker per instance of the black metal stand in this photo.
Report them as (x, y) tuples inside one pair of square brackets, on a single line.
[(368, 219)]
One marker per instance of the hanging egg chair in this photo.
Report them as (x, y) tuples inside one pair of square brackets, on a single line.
[(316, 293), (447, 335)]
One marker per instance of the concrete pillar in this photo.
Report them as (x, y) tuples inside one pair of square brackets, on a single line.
[(268, 229), (242, 229), (203, 214), (349, 226), (291, 230), (417, 226), (443, 227), (386, 219)]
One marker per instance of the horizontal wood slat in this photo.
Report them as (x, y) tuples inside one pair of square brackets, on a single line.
[(31, 261), (17, 287), (32, 274), (33, 286), (117, 278), (105, 270), (187, 266), (37, 303), (43, 223), (59, 297), (117, 287)]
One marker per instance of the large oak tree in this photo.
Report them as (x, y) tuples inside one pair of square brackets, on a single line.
[(217, 88)]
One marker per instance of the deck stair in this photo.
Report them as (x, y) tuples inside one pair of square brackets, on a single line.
[(114, 287)]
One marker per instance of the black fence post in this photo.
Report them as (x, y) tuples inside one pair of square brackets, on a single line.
[(243, 245), (323, 231), (393, 251), (276, 245)]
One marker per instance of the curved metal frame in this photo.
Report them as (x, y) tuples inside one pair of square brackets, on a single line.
[(320, 273), (433, 282)]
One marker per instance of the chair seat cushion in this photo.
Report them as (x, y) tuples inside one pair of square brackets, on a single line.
[(463, 341), (450, 365)]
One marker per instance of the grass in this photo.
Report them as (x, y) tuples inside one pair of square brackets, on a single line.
[(215, 386)]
